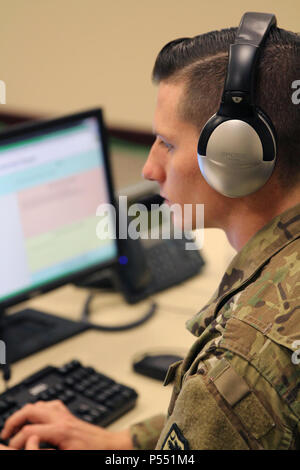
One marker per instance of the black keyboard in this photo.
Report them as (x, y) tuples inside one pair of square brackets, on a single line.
[(89, 395)]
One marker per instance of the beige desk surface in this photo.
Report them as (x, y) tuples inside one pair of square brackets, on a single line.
[(112, 353)]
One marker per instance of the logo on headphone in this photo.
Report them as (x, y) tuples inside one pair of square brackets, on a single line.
[(237, 158)]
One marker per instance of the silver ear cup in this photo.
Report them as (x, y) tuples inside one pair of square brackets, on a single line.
[(233, 164)]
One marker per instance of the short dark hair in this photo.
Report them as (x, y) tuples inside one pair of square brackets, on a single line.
[(201, 63)]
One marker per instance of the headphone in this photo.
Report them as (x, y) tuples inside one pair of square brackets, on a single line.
[(237, 145)]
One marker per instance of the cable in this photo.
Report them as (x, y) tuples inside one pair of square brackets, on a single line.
[(127, 326), (101, 280)]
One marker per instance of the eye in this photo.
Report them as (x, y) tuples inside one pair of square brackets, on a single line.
[(166, 145)]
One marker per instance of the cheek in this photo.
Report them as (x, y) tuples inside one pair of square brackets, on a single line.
[(185, 164), (183, 184), (187, 171)]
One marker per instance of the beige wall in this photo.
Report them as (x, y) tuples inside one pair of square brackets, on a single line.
[(58, 56)]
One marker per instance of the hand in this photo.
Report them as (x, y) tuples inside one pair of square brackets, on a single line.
[(53, 423), (31, 444)]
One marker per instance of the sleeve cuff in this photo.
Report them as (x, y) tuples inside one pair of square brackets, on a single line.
[(145, 434)]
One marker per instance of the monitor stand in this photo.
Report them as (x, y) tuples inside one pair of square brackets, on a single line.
[(28, 331)]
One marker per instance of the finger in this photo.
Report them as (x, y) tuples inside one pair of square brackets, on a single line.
[(2, 447), (33, 443), (32, 413), (44, 432)]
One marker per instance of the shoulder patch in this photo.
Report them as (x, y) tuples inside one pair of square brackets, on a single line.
[(175, 440)]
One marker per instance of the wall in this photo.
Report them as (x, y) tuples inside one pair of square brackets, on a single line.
[(59, 56)]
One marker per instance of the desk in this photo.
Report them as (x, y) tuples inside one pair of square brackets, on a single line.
[(112, 353)]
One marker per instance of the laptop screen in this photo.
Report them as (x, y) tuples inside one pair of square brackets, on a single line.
[(51, 182)]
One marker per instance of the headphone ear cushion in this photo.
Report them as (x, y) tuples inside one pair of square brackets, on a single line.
[(231, 155)]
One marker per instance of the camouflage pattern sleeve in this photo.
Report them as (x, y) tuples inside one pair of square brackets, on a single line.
[(146, 433)]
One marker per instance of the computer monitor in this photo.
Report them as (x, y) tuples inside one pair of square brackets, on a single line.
[(53, 176)]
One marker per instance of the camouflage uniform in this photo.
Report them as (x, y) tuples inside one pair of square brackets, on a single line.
[(239, 386)]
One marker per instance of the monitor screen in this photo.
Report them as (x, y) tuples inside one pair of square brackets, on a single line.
[(52, 179)]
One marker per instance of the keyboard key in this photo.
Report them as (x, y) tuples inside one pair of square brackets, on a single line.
[(102, 386), (59, 388), (102, 397), (109, 393), (102, 409), (10, 401), (62, 397), (87, 418), (79, 374), (116, 388), (89, 393), (94, 379), (64, 370), (95, 413), (33, 400), (111, 403), (74, 364), (85, 384), (83, 408), (69, 381), (128, 393), (44, 396), (52, 393), (69, 396), (79, 388)]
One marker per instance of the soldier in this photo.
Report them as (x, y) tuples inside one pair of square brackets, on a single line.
[(239, 385)]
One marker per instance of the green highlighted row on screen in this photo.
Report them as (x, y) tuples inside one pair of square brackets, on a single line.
[(66, 242), (58, 272)]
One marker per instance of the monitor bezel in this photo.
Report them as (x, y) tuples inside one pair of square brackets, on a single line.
[(19, 130)]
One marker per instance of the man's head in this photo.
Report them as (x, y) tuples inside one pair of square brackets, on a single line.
[(196, 69), (201, 63)]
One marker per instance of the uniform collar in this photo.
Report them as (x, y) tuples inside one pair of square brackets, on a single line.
[(274, 236)]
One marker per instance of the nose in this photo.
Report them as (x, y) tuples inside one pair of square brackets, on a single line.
[(154, 167)]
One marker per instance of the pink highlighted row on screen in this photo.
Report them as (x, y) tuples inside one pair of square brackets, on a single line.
[(50, 206)]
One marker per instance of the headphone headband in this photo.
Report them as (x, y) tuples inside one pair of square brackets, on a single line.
[(243, 55), (254, 27)]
